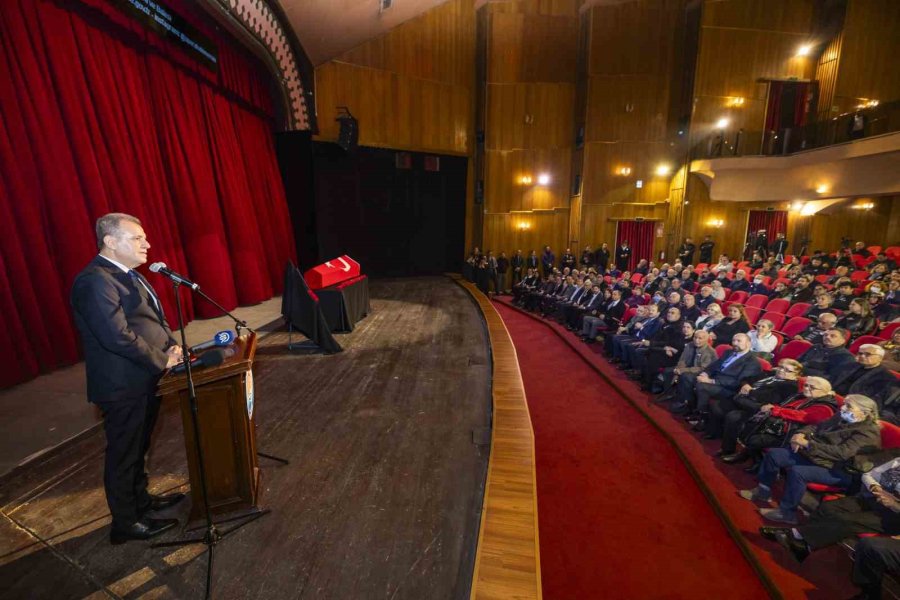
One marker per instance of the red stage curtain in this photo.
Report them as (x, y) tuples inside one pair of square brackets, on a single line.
[(98, 115), (640, 237), (774, 222)]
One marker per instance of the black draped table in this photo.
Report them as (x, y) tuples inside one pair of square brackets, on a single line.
[(345, 304)]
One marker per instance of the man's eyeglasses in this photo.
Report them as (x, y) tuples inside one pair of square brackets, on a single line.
[(867, 354)]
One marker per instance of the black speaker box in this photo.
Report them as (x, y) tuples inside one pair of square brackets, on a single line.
[(349, 136)]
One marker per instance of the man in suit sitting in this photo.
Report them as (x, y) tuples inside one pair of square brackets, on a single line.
[(607, 317), (739, 283), (870, 378), (723, 378), (127, 348)]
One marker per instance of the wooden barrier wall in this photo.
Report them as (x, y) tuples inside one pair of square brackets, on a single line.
[(528, 118)]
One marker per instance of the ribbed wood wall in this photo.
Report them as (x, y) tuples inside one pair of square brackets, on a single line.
[(528, 115)]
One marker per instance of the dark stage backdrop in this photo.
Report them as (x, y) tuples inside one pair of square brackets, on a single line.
[(394, 221), (98, 114)]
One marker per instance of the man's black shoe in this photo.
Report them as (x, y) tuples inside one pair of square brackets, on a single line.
[(754, 467), (771, 533), (163, 502), (799, 549), (735, 458), (144, 529)]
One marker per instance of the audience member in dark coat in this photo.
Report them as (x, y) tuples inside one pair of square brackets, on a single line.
[(601, 258), (669, 335), (870, 378), (829, 357), (859, 319), (735, 323), (623, 255)]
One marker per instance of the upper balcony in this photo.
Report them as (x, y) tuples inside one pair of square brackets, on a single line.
[(823, 161)]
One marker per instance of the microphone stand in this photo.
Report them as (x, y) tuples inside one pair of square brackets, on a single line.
[(213, 535)]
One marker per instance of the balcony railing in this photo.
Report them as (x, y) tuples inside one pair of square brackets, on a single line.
[(877, 120)]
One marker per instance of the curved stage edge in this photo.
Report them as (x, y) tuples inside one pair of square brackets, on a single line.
[(733, 528), (507, 559)]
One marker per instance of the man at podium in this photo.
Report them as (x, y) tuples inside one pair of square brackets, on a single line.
[(127, 347)]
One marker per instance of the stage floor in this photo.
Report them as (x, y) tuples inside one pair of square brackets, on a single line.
[(381, 500)]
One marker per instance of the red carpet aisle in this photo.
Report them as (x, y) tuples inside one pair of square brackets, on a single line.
[(620, 516)]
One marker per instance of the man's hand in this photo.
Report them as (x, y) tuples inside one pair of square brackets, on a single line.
[(645, 343), (745, 389), (704, 378), (766, 408), (800, 440), (670, 351), (175, 356), (887, 500)]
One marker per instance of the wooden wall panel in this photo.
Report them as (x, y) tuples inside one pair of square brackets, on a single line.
[(547, 106), (599, 222), (826, 74), (412, 88), (395, 111), (632, 38), (518, 45), (526, 231), (504, 189), (775, 15), (868, 61), (603, 186), (550, 8), (627, 108)]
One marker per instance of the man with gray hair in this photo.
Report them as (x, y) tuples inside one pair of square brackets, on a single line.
[(867, 376), (814, 333), (128, 346)]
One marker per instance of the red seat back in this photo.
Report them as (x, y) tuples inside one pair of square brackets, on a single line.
[(701, 266), (778, 305), (739, 297), (890, 435), (628, 315), (798, 310), (764, 364), (777, 319), (721, 349), (757, 300), (780, 341), (888, 331), (792, 349), (637, 278), (863, 339), (795, 326), (859, 275), (753, 314)]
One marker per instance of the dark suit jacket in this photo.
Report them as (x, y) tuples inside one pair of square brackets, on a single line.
[(744, 368), (820, 361), (125, 338), (740, 285), (877, 383)]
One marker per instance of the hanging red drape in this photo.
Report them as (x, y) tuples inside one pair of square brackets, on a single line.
[(98, 114), (639, 235), (774, 222)]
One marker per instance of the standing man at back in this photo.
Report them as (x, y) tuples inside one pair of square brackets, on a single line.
[(127, 348)]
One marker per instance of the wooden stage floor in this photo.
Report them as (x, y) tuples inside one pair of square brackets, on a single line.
[(381, 499)]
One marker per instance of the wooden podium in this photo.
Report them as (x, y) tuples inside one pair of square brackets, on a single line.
[(227, 433)]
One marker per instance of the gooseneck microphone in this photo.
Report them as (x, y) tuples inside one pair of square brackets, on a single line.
[(223, 338), (162, 269)]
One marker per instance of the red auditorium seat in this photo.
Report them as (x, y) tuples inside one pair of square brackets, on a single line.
[(890, 438), (797, 310), (628, 315), (863, 339), (892, 251), (792, 349), (777, 319), (788, 258), (874, 249), (721, 349), (753, 314), (888, 331), (780, 341), (701, 266), (764, 364), (757, 300), (779, 305), (859, 275), (637, 278), (822, 278), (739, 297), (794, 326)]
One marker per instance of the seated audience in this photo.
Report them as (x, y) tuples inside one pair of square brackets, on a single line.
[(706, 298), (817, 454), (758, 286), (814, 332), (875, 509), (718, 290), (828, 356), (739, 283), (762, 341), (629, 329), (668, 337), (892, 351), (858, 320), (822, 305), (694, 359), (872, 558), (736, 322), (689, 309), (723, 377), (728, 416), (844, 295), (607, 317), (802, 291), (712, 318), (869, 377)]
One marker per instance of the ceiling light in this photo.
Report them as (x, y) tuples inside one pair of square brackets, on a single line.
[(822, 188), (663, 170), (804, 50), (722, 123), (543, 179)]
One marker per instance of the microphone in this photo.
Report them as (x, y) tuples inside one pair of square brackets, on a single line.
[(161, 268), (223, 338), (213, 358)]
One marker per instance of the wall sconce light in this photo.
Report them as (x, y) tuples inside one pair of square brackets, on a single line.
[(623, 171), (735, 102), (866, 103), (524, 226), (722, 123), (864, 206), (525, 180), (717, 223), (804, 50), (663, 169), (543, 179), (822, 188)]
